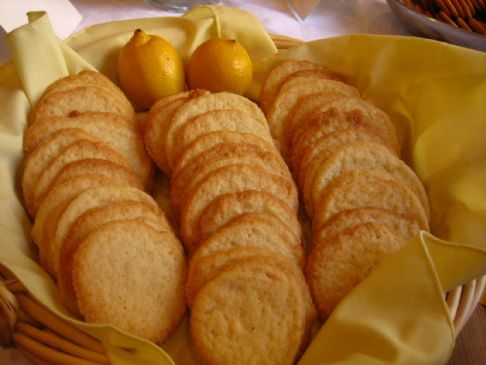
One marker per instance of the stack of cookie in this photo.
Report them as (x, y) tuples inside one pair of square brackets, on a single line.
[(103, 239), (236, 203), (363, 200)]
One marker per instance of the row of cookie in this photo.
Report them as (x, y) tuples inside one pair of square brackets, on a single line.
[(100, 236), (363, 200), (236, 203)]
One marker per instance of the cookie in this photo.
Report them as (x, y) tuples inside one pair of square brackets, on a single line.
[(88, 78), (228, 206), (97, 166), (322, 123), (219, 156), (361, 155), (315, 154), (280, 73), (41, 157), (88, 223), (91, 198), (253, 312), (232, 179), (157, 123), (404, 225), (212, 139), (369, 189), (77, 151), (289, 95), (254, 230), (232, 120), (53, 206), (336, 267), (78, 100), (203, 104), (204, 268), (131, 276), (107, 127)]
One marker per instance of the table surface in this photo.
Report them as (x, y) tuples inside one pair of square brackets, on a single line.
[(330, 18)]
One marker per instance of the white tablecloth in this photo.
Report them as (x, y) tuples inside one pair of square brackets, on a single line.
[(330, 18)]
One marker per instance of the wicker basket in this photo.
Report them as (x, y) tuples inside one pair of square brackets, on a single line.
[(45, 339)]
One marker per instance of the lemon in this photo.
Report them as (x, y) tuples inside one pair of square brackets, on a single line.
[(149, 68), (220, 65)]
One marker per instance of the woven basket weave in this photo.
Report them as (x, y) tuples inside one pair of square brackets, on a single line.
[(47, 340)]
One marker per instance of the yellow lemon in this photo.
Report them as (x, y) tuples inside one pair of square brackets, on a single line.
[(220, 65), (149, 68)]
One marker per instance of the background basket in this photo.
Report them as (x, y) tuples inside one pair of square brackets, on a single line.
[(46, 339)]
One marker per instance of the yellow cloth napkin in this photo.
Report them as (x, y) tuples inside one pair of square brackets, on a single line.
[(434, 93)]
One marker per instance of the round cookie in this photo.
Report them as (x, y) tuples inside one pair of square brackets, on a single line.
[(91, 198), (228, 206), (41, 157), (132, 276), (203, 104), (87, 78), (253, 312), (88, 223), (405, 225), (209, 140), (79, 150), (204, 268), (110, 128), (232, 179), (232, 120), (217, 157), (80, 99), (53, 206), (315, 155), (335, 267), (369, 189), (157, 123), (97, 166), (280, 73), (290, 93), (362, 155), (322, 123), (254, 230)]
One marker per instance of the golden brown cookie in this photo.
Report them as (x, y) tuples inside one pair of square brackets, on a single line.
[(201, 105), (228, 206), (289, 95), (53, 206), (107, 127), (157, 123), (232, 179), (80, 99), (402, 224), (212, 139), (232, 120), (89, 199), (254, 230), (77, 151), (41, 157), (372, 189), (335, 267), (132, 276), (362, 155), (280, 73), (219, 156), (250, 313), (88, 223)]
